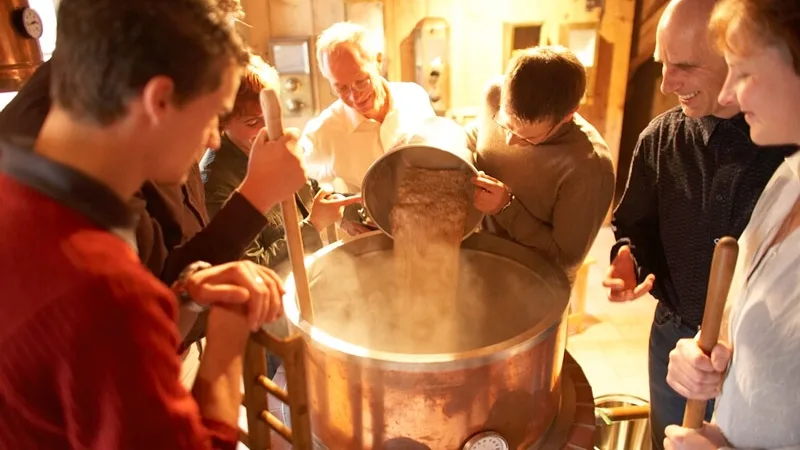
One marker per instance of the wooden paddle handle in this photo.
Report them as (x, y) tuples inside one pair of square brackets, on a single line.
[(271, 108), (719, 283)]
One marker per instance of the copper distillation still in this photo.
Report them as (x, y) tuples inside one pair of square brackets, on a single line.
[(20, 53)]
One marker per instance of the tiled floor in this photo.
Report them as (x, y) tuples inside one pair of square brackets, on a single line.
[(612, 349)]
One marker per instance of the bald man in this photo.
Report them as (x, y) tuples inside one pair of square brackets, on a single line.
[(695, 177)]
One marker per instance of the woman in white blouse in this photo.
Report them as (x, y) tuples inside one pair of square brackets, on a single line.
[(756, 378)]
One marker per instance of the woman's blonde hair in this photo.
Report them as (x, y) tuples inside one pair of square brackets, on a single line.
[(743, 26)]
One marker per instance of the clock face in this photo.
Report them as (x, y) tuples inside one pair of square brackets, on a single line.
[(31, 23)]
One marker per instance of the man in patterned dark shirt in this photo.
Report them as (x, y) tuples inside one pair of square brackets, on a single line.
[(695, 177)]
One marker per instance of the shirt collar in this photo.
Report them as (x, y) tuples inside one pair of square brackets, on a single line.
[(794, 164), (65, 185), (352, 118), (709, 124), (560, 131)]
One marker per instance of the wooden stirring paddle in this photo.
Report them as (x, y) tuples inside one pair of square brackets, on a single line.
[(271, 108), (723, 265)]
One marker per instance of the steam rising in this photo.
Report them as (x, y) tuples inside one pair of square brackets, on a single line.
[(427, 295)]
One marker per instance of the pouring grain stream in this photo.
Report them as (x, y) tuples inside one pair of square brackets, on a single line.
[(271, 108), (427, 226)]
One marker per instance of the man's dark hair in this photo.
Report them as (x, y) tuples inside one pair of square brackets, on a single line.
[(107, 51), (544, 84)]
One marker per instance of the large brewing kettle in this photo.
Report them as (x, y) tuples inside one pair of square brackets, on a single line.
[(506, 380)]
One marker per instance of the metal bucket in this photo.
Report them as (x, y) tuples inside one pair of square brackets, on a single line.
[(505, 377), (439, 143), (623, 435)]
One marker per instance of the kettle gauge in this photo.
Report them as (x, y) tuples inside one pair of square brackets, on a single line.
[(27, 22), (487, 440)]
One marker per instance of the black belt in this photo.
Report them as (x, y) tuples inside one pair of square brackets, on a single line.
[(670, 314)]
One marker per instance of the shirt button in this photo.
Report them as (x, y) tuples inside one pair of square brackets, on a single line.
[(719, 197), (716, 241)]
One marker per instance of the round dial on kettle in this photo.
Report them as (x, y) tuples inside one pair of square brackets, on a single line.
[(486, 441), (28, 23)]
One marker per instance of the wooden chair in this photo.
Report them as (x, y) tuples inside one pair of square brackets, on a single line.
[(262, 423)]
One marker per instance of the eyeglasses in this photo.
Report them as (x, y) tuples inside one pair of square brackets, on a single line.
[(348, 89), (529, 140)]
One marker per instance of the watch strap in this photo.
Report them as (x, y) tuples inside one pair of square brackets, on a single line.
[(511, 198), (179, 288)]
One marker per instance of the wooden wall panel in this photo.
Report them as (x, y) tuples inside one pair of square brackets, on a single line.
[(645, 40), (617, 30), (291, 18), (256, 28), (268, 19), (324, 14), (399, 19), (476, 33)]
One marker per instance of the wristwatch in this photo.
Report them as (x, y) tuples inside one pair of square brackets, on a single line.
[(511, 198), (179, 287)]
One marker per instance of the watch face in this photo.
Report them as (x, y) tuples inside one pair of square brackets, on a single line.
[(31, 23)]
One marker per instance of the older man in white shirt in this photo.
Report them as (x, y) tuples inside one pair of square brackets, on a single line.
[(370, 115)]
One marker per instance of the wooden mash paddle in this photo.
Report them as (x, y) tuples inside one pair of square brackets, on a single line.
[(719, 283), (271, 108)]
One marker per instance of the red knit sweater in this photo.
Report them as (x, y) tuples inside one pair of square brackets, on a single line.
[(87, 339)]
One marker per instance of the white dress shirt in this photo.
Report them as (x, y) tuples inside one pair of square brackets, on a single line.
[(757, 408), (340, 144)]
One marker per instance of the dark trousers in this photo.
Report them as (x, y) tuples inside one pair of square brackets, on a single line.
[(666, 405)]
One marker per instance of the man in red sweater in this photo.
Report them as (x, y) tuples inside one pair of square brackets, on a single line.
[(87, 334)]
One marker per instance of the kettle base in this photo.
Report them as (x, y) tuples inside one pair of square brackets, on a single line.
[(574, 426)]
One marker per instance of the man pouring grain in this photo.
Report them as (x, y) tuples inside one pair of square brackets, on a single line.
[(367, 119), (547, 177)]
